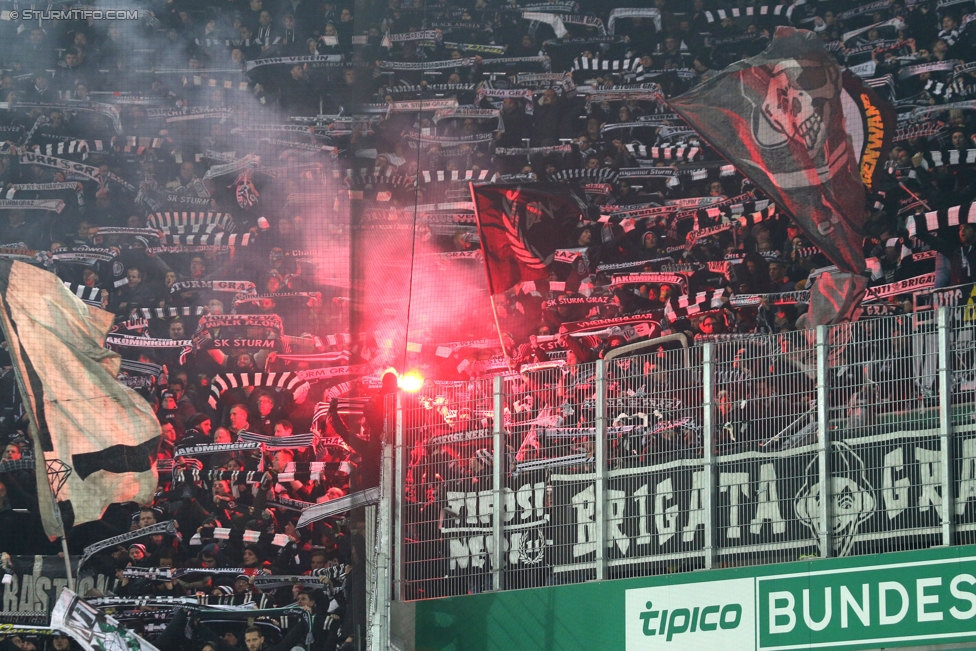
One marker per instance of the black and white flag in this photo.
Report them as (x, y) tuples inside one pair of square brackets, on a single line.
[(98, 437)]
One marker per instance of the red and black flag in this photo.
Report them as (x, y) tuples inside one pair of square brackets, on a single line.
[(521, 226), (809, 136)]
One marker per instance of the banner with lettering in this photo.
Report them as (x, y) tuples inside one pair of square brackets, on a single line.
[(467, 533), (880, 491), (883, 488), (36, 583)]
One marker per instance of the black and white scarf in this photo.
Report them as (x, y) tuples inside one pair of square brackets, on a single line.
[(781, 298), (141, 368), (188, 475), (128, 232), (451, 438), (286, 502), (234, 167), (209, 114), (197, 248), (218, 238), (309, 58), (643, 12), (107, 110), (411, 89), (78, 189), (606, 65), (664, 153), (166, 528), (532, 151), (257, 298), (236, 286), (617, 266), (454, 175), (950, 157), (600, 175), (927, 129), (273, 581), (221, 220), (947, 65), (465, 47), (214, 448), (327, 358), (285, 381), (506, 61), (337, 506), (868, 8), (942, 219), (907, 286), (412, 106), (332, 373), (696, 171), (84, 254), (648, 277), (88, 295), (269, 321), (133, 324), (70, 146), (294, 442), (428, 65), (62, 164), (240, 535), (129, 341)]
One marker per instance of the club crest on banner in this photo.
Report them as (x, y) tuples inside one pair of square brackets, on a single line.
[(535, 212), (853, 497), (796, 106)]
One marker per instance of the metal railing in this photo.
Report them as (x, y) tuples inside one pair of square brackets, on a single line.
[(751, 449)]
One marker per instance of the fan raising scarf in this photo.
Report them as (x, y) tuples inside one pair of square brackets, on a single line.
[(286, 381), (168, 528), (236, 286), (246, 193)]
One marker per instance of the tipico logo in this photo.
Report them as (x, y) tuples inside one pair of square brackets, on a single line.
[(692, 616)]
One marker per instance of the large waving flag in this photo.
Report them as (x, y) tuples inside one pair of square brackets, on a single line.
[(97, 436), (521, 227), (808, 135)]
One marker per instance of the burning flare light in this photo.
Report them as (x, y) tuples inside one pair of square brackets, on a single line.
[(411, 381)]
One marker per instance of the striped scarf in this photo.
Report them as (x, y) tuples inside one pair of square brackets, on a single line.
[(222, 221), (286, 381), (294, 442), (337, 506), (88, 295), (209, 239), (941, 219)]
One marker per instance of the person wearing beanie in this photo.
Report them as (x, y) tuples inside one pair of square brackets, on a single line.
[(198, 432), (137, 553), (223, 591), (241, 589), (127, 586)]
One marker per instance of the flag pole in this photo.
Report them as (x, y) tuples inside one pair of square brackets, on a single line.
[(67, 563), (57, 518), (498, 329)]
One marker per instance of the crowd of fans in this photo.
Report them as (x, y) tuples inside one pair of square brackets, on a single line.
[(188, 173)]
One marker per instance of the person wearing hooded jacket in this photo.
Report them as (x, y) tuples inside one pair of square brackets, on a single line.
[(369, 446)]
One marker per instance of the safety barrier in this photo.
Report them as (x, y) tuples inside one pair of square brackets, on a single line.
[(747, 449)]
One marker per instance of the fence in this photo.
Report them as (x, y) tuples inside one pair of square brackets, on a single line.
[(748, 449)]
